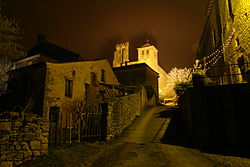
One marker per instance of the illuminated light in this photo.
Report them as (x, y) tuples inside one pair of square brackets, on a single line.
[(216, 55)]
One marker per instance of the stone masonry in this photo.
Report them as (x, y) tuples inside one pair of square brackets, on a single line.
[(121, 113), (22, 140)]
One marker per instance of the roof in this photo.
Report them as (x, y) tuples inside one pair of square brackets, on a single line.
[(144, 65), (54, 52), (146, 45)]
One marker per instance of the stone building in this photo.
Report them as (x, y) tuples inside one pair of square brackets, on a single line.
[(147, 54), (224, 46), (142, 76), (56, 85), (52, 72), (56, 77)]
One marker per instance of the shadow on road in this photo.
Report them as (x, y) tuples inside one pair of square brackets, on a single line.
[(176, 133)]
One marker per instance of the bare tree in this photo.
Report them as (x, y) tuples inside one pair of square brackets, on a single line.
[(10, 47), (75, 110), (176, 75)]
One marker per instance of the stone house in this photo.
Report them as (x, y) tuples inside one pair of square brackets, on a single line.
[(52, 73), (142, 76), (70, 80), (224, 46), (53, 76), (55, 85), (52, 86)]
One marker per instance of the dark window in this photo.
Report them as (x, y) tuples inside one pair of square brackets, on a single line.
[(142, 52), (237, 42), (103, 75), (93, 79), (68, 88), (147, 51), (214, 38), (86, 90), (54, 129), (73, 73), (230, 8), (123, 54)]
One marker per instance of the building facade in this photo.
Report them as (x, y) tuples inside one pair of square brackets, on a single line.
[(142, 76), (70, 81), (54, 84), (224, 46)]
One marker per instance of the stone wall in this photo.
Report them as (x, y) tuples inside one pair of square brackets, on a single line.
[(121, 112), (228, 19), (217, 117), (22, 140), (239, 21)]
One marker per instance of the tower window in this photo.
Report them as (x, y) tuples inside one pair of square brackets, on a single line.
[(68, 88), (142, 52), (123, 55), (147, 51)]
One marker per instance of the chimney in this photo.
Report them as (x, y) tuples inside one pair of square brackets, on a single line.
[(40, 39)]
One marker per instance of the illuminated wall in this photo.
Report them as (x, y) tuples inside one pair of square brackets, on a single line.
[(121, 54), (235, 15), (148, 54), (80, 75), (226, 19)]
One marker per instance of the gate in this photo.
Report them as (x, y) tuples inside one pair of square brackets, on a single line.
[(88, 126), (54, 125), (93, 124)]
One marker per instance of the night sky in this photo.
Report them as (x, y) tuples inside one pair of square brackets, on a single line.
[(93, 27)]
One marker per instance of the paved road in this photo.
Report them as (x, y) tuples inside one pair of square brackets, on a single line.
[(141, 147)]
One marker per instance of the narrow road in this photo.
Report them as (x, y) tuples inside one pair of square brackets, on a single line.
[(141, 147)]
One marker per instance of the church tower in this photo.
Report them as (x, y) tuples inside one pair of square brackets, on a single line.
[(148, 54), (121, 54)]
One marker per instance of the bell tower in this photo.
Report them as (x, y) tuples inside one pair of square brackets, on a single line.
[(148, 54), (121, 54)]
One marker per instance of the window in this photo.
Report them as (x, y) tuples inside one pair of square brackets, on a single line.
[(214, 38), (142, 52), (237, 41), (93, 79), (147, 51), (123, 52), (68, 88), (54, 121), (103, 76), (230, 8)]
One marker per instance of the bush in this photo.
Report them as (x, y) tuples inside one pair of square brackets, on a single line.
[(181, 87)]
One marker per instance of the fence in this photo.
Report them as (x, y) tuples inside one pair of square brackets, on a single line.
[(89, 126), (95, 123), (229, 74)]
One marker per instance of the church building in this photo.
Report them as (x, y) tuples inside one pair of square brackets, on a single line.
[(147, 54)]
